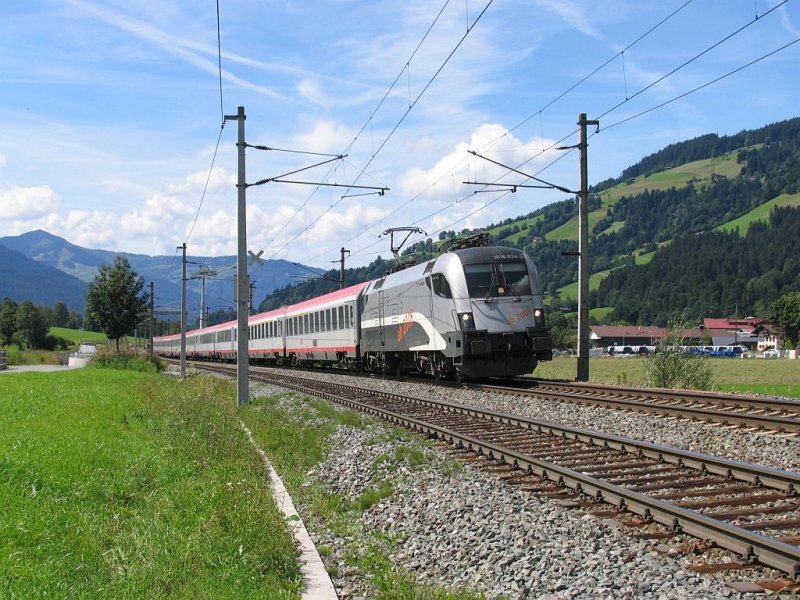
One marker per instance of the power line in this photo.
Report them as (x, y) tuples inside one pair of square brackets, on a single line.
[(219, 63), (521, 123), (705, 85), (205, 187), (681, 66), (367, 123), (692, 59), (391, 133)]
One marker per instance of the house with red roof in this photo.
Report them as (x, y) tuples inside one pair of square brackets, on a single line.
[(753, 333)]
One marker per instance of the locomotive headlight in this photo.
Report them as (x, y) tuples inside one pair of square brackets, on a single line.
[(467, 322), (538, 316)]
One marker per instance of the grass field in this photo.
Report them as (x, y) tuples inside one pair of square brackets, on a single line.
[(117, 484), (79, 336), (759, 213), (779, 377), (698, 171)]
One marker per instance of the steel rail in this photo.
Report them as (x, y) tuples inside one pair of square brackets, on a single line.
[(650, 401), (734, 400), (695, 413), (750, 545)]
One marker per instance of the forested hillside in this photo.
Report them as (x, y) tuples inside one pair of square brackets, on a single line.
[(710, 275), (665, 206)]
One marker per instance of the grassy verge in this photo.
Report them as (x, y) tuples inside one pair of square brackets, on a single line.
[(120, 484), (15, 356), (752, 376), (293, 433)]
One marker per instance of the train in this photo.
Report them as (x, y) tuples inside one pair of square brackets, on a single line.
[(469, 313)]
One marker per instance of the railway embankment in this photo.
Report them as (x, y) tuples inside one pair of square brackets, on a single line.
[(449, 523)]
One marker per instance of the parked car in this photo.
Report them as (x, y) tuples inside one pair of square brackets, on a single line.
[(771, 353)]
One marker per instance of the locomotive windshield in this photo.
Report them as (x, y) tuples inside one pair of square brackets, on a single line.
[(488, 280)]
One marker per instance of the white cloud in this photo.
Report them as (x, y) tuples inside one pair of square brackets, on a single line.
[(572, 13), (194, 183), (160, 213), (334, 225), (26, 203), (310, 91), (184, 49), (444, 179), (3, 160), (325, 136), (87, 228)]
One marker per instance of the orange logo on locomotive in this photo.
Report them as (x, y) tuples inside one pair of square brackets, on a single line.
[(520, 316), (405, 326)]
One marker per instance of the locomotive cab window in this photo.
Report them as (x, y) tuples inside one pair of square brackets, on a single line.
[(481, 280), (438, 284), (516, 278)]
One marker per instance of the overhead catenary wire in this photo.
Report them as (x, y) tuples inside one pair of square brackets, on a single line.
[(399, 122), (618, 105), (369, 121), (539, 112), (221, 129), (705, 85)]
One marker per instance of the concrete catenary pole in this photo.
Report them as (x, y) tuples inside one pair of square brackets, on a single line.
[(341, 268), (243, 285), (583, 255), (183, 313), (152, 316)]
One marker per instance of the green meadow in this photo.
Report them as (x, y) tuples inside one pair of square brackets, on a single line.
[(121, 484), (776, 377), (132, 484)]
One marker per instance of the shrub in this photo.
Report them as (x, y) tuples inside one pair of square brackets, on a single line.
[(130, 361), (670, 367), (12, 354)]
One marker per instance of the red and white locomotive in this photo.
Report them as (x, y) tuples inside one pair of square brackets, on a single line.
[(470, 313)]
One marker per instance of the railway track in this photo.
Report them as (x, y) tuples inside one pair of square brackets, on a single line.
[(751, 510), (776, 415), (779, 416)]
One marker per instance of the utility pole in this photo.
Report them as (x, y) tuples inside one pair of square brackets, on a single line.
[(183, 314), (341, 268), (583, 255), (250, 298), (152, 316), (203, 315), (202, 273), (242, 338)]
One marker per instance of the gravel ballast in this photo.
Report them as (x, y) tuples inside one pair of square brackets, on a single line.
[(461, 528)]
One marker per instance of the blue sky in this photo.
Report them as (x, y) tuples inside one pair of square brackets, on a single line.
[(111, 110)]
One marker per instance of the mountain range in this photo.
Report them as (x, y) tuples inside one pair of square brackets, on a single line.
[(45, 269)]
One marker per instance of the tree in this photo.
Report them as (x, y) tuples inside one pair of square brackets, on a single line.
[(115, 299), (60, 314), (31, 326), (8, 321), (75, 320), (785, 314), (563, 329)]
